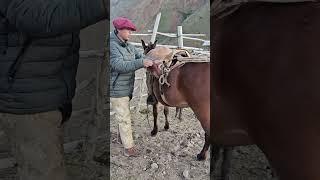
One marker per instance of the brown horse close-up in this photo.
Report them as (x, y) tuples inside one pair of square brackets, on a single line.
[(189, 87), (267, 82)]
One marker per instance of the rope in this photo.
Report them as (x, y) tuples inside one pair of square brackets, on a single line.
[(163, 79)]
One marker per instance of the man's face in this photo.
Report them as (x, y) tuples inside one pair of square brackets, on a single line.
[(124, 34)]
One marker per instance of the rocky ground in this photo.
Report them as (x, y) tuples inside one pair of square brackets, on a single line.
[(169, 155)]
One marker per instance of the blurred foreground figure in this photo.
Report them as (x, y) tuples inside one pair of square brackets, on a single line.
[(39, 54)]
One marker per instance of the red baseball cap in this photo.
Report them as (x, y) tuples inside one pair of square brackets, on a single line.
[(123, 23)]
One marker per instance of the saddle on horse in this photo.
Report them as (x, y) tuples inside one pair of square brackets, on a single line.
[(167, 60)]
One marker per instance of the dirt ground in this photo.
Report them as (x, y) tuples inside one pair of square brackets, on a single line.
[(168, 155)]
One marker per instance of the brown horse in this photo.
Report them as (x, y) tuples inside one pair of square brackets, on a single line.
[(218, 152), (189, 87), (267, 84), (152, 100)]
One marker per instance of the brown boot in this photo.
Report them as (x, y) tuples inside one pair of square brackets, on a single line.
[(131, 152)]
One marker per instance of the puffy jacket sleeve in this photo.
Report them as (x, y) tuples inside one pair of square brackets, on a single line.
[(52, 17), (138, 54), (119, 65)]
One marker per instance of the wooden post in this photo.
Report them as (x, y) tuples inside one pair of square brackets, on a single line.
[(155, 28), (180, 37)]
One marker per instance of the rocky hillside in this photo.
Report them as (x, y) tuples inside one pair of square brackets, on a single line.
[(193, 15)]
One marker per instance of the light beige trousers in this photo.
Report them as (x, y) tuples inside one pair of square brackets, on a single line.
[(121, 108)]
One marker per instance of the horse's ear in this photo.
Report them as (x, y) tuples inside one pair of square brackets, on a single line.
[(143, 44), (154, 44)]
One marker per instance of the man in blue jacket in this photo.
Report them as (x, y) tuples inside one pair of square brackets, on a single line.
[(125, 59), (39, 54)]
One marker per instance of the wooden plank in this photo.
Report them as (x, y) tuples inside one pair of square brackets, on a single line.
[(168, 34), (206, 43), (196, 39), (155, 28), (180, 37), (202, 52), (164, 34), (195, 35), (172, 34)]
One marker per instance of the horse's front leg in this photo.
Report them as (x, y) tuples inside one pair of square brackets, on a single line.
[(166, 113), (203, 154), (155, 116)]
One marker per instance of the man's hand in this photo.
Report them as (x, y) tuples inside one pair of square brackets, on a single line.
[(147, 63)]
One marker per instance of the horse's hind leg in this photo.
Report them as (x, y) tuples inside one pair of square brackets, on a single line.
[(203, 154), (155, 116), (179, 113), (226, 163), (166, 112), (215, 156)]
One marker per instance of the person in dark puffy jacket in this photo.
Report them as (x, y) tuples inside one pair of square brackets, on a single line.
[(39, 54), (125, 59)]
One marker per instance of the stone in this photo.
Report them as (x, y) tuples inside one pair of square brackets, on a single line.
[(186, 174), (154, 166), (176, 148)]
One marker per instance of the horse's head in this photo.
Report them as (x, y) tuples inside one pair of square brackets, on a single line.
[(150, 70), (148, 47)]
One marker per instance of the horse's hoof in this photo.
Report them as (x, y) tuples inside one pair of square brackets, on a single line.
[(151, 100), (166, 127), (201, 157), (154, 132)]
